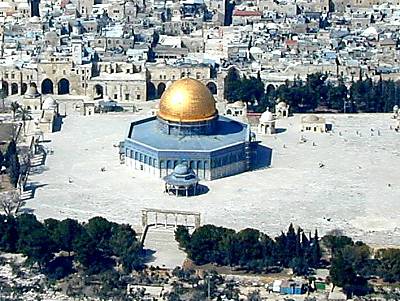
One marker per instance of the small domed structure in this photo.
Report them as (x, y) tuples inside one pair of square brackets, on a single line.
[(266, 125), (32, 92), (183, 178), (313, 123), (31, 99), (281, 109), (310, 119), (49, 104), (237, 108), (267, 116)]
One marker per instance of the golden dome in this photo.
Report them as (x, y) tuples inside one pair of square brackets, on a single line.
[(187, 100)]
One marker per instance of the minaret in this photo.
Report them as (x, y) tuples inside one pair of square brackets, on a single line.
[(76, 41), (77, 50)]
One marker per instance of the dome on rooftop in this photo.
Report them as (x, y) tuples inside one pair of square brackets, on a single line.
[(32, 92), (49, 103), (282, 104), (181, 169), (310, 119), (266, 116), (187, 100)]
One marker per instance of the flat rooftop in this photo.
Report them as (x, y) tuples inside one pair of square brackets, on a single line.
[(229, 132)]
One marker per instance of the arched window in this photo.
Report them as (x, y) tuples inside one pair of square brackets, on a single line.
[(169, 164)]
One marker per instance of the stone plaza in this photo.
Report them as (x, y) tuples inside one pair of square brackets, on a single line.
[(348, 179)]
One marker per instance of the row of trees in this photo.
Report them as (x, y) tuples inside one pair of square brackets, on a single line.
[(315, 93), (352, 264), (250, 248), (10, 161), (96, 246)]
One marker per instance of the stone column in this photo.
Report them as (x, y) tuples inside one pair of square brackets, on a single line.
[(197, 221), (144, 219), (166, 221)]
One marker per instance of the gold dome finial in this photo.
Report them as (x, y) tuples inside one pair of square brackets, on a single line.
[(187, 100)]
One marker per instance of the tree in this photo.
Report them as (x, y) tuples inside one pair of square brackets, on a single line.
[(14, 169), (25, 115), (315, 250), (389, 266), (299, 266), (34, 240), (182, 236), (8, 233), (100, 230), (341, 272), (11, 150), (124, 244), (248, 245), (14, 108), (336, 243), (88, 255), (205, 244), (1, 160), (64, 233), (232, 85), (11, 202)]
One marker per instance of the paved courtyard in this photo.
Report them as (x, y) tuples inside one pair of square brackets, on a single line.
[(357, 189)]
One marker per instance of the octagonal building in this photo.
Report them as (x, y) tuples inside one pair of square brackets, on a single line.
[(187, 129)]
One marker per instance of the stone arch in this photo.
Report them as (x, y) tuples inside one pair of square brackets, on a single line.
[(63, 86), (229, 112), (4, 85), (212, 87), (47, 86), (235, 69), (14, 88), (160, 89), (98, 91), (24, 87), (270, 88), (151, 91)]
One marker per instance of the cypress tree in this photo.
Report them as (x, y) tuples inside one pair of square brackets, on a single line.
[(14, 169), (315, 250)]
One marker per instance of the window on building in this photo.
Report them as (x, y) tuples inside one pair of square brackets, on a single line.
[(115, 96), (138, 96), (6, 75), (12, 75), (127, 96)]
